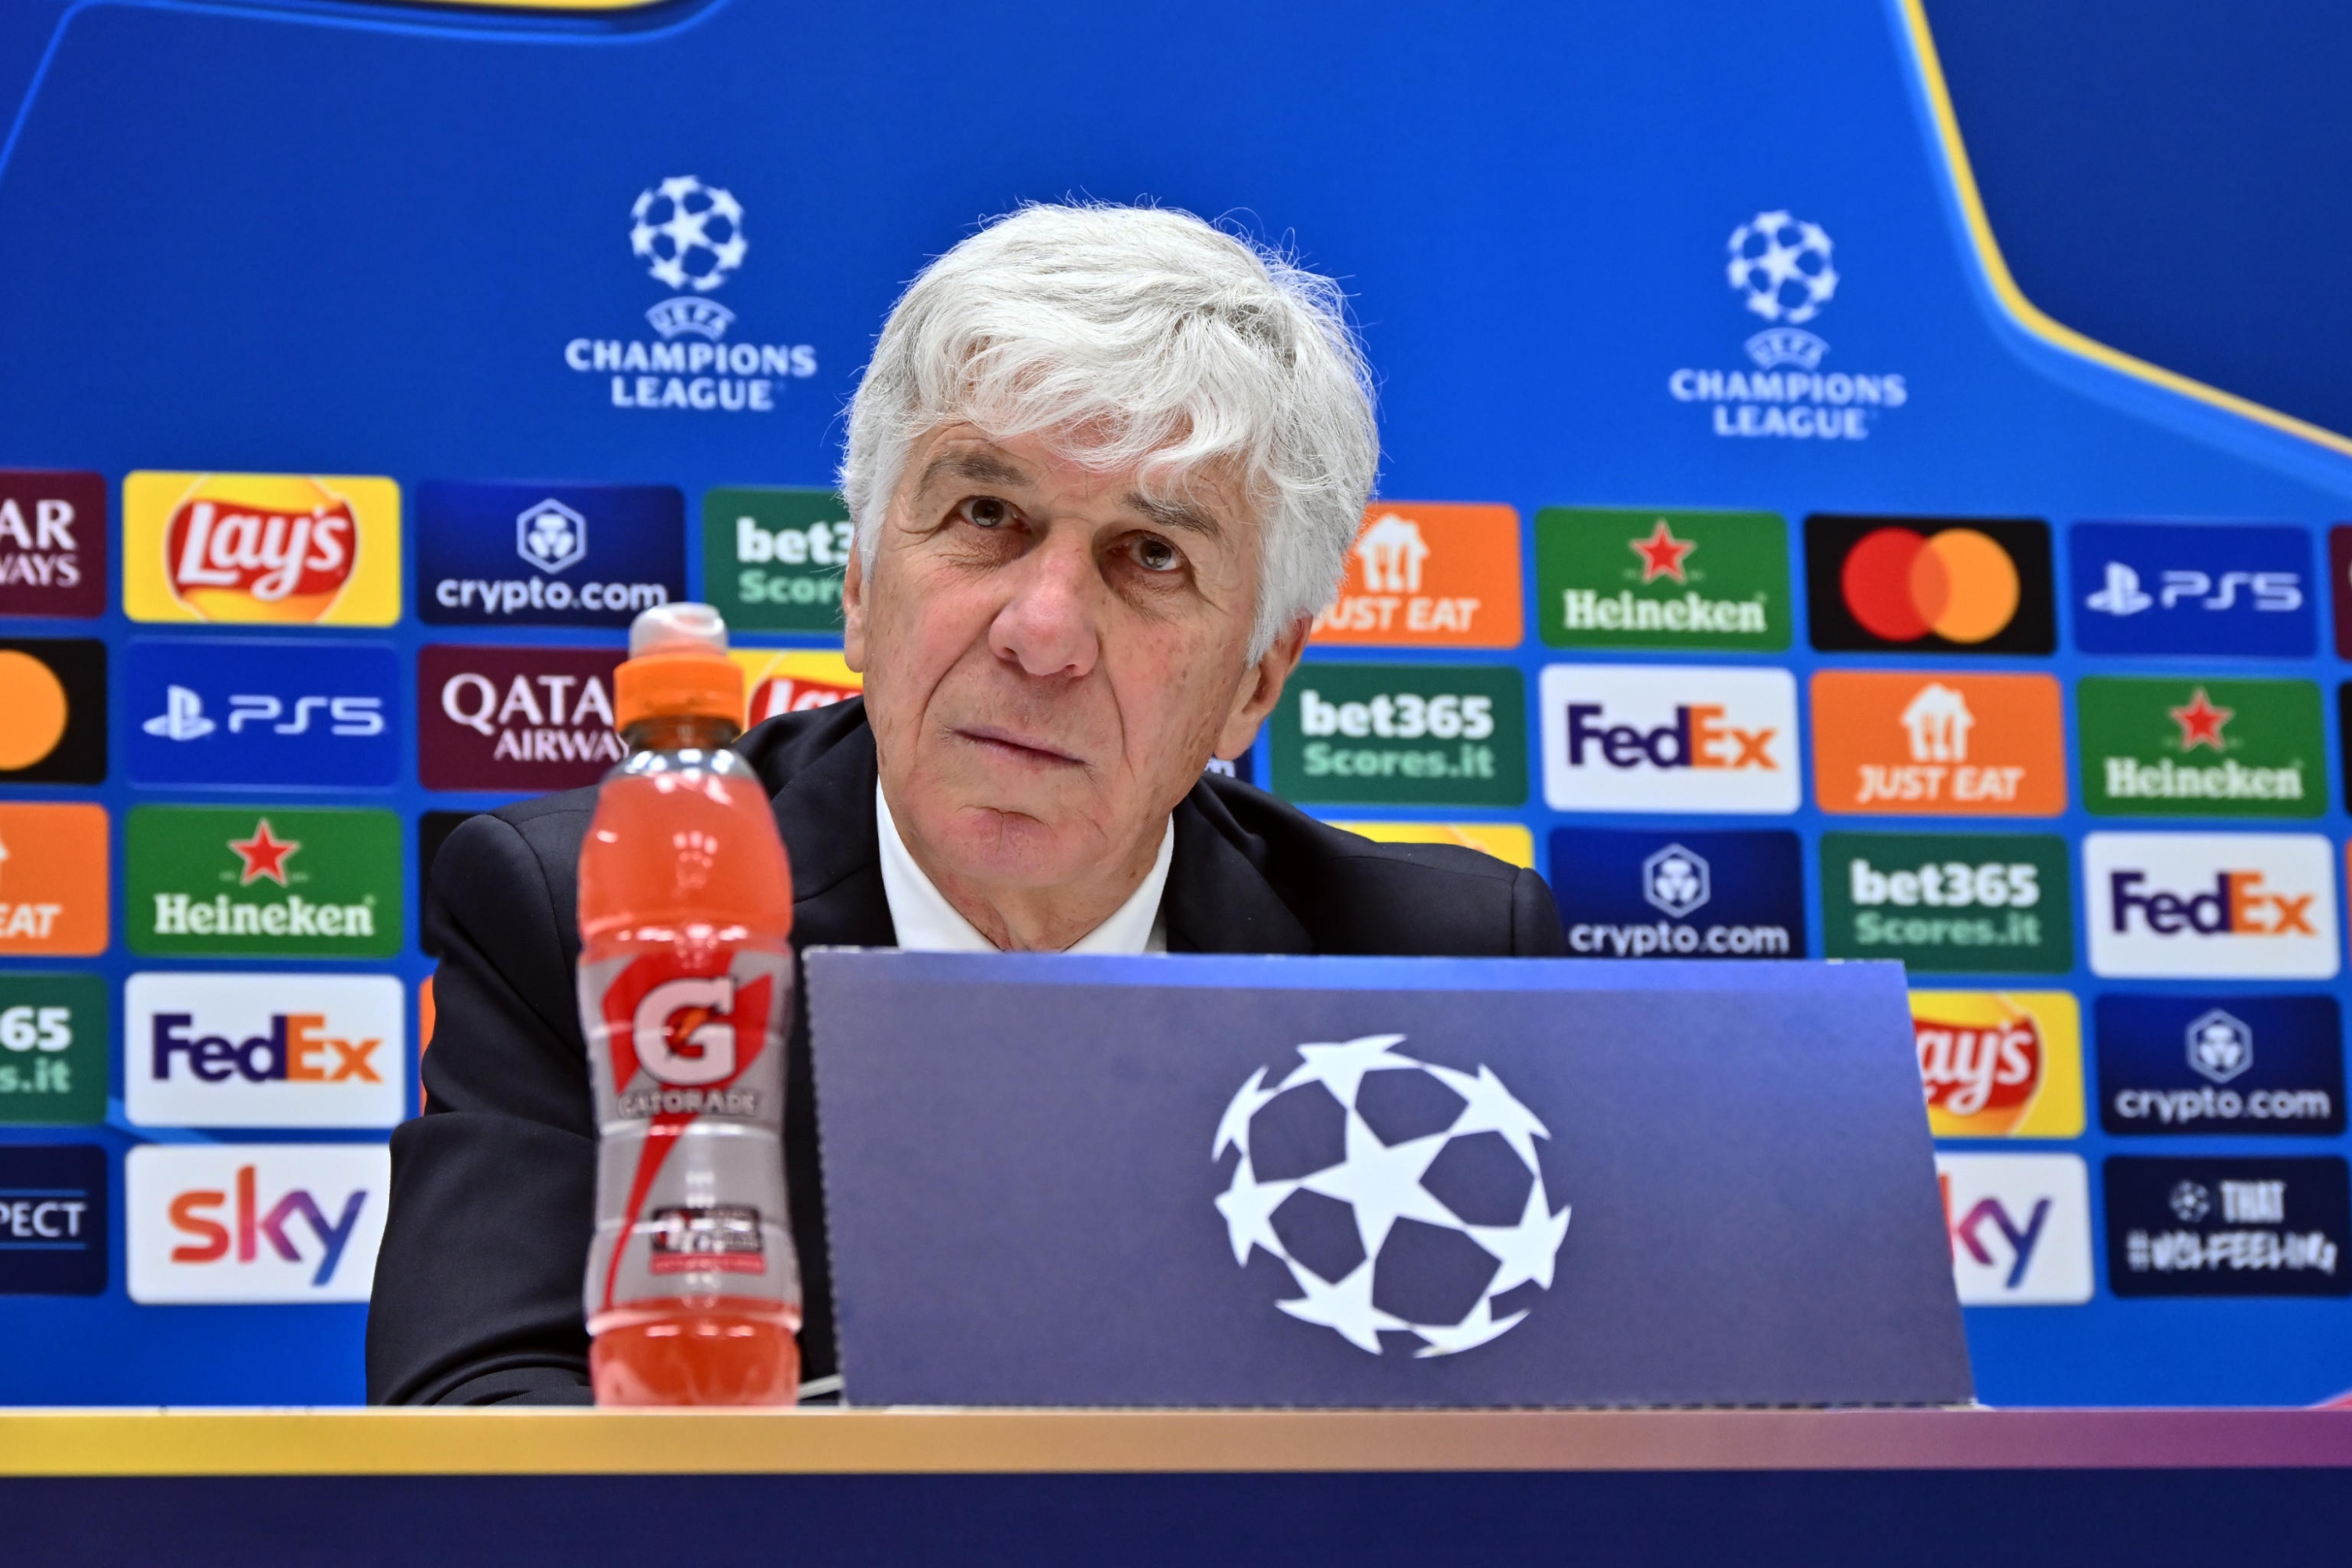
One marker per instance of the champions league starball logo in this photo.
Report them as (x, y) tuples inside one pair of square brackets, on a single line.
[(1402, 1197), (691, 233), (1782, 268)]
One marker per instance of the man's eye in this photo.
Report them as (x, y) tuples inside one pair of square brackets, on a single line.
[(1157, 554), (987, 511)]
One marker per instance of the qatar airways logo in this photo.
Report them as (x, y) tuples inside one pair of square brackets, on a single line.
[(2192, 905)]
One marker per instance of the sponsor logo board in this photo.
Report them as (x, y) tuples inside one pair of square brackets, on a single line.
[(527, 720), (232, 1223), (53, 1036), (52, 710), (495, 554), (54, 883), (52, 543), (1999, 1064), (1926, 584), (1915, 745), (1429, 574), (1680, 894), (1658, 737), (256, 712), (2167, 747), (2339, 568), (1505, 841), (2187, 589), (270, 549), (772, 558), (53, 1219), (2187, 906), (794, 680), (1625, 578), (1402, 735), (263, 881), (2020, 1228), (262, 1050), (2228, 1227), (1950, 903), (2202, 1065)]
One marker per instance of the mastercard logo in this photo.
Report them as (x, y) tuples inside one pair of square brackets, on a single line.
[(1901, 585), (33, 709), (53, 710)]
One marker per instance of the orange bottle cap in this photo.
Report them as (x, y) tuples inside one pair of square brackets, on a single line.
[(678, 686)]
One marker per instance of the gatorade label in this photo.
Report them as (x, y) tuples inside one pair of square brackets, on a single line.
[(687, 1049)]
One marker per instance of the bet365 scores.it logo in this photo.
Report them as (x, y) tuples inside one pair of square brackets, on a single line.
[(1782, 270), (692, 237)]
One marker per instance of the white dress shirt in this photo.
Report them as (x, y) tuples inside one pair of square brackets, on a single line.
[(926, 923)]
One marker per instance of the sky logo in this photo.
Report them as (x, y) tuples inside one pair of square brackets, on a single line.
[(2170, 588), (263, 1050), (2020, 1228), (1669, 738), (255, 712), (225, 1223), (2171, 906)]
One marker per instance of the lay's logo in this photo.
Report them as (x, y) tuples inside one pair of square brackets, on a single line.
[(1999, 1064), (777, 681), (272, 549)]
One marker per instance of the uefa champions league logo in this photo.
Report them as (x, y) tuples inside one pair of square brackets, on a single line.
[(690, 234), (1780, 266), (1401, 1195)]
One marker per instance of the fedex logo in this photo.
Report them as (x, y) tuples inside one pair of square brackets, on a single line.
[(2189, 905), (255, 1223), (1668, 738), (2019, 1226), (264, 1050)]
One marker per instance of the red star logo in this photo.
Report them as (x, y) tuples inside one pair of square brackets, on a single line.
[(1662, 553), (264, 855), (2201, 722)]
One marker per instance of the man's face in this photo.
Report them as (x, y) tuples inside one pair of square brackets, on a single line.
[(1051, 657)]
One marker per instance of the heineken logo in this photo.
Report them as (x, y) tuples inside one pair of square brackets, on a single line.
[(1612, 578), (231, 881), (2201, 747)]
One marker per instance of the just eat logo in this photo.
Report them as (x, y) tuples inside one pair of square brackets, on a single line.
[(253, 1223)]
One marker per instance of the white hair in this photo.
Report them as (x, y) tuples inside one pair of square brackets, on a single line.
[(1143, 337)]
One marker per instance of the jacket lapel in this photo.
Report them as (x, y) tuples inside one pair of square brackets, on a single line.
[(827, 816), (1217, 899)]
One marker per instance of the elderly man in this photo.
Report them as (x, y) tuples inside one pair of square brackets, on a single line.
[(1104, 467)]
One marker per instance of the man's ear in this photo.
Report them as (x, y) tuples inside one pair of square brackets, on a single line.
[(1261, 688), (853, 609)]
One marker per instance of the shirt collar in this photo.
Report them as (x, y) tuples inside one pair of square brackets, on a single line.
[(926, 923)]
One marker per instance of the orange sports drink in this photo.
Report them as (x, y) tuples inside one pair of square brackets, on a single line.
[(686, 902)]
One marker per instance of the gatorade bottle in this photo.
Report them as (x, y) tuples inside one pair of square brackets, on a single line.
[(693, 1288)]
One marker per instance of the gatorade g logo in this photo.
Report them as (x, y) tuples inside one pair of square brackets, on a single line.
[(1929, 584), (2185, 905), (276, 548), (683, 1032), (692, 1035)]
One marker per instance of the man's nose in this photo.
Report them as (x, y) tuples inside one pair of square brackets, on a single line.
[(1048, 626)]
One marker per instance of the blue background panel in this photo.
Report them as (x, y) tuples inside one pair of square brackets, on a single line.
[(314, 237)]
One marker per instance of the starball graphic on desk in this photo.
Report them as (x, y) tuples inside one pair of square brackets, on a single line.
[(1762, 573)]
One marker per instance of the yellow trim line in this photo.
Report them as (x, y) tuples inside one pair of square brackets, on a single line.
[(414, 1442), (2027, 314)]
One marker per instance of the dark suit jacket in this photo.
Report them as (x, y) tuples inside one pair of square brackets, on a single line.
[(478, 1288)]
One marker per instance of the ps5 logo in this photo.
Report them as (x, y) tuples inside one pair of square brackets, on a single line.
[(2268, 593), (183, 717)]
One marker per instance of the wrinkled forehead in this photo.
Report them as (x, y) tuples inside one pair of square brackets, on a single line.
[(1203, 495)]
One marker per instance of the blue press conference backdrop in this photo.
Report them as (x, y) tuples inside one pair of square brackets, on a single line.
[(427, 257)]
